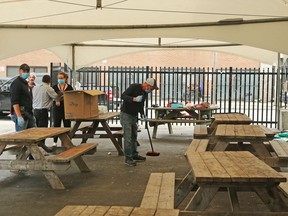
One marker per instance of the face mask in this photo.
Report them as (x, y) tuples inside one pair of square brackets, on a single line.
[(25, 75), (61, 81), (148, 91)]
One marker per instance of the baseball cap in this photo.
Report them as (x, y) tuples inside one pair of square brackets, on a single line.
[(25, 67), (152, 82)]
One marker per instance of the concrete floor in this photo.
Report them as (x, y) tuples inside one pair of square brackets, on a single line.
[(109, 183)]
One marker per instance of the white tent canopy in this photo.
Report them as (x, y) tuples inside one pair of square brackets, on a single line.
[(100, 29)]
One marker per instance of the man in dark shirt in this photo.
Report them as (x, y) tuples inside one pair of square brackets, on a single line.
[(133, 103), (21, 101)]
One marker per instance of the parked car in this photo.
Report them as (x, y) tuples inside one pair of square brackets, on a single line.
[(4, 79)]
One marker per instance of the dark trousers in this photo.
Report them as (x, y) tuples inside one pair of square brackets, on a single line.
[(41, 116), (57, 118)]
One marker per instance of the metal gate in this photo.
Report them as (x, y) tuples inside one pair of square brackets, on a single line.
[(249, 91)]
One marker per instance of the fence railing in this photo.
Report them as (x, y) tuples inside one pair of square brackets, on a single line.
[(252, 91)]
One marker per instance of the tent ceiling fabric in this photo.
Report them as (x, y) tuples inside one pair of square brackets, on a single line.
[(27, 25)]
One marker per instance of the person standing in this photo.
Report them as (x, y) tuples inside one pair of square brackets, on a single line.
[(21, 101), (58, 106), (43, 96), (133, 103)]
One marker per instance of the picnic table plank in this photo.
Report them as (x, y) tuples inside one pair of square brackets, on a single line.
[(167, 212), (216, 169), (236, 173), (200, 169), (150, 198), (239, 131), (166, 196), (230, 130), (221, 130), (249, 131), (143, 212), (119, 210), (95, 210), (72, 210)]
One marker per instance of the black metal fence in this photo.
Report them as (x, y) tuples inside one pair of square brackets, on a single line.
[(245, 90)]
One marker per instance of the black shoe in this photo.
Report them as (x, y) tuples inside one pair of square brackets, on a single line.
[(139, 158), (130, 162)]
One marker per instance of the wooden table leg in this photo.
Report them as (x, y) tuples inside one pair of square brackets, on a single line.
[(50, 175), (221, 146), (66, 141), (260, 148), (233, 199), (184, 188), (113, 139), (74, 129), (155, 130), (271, 197), (201, 199), (91, 130), (2, 147), (170, 128)]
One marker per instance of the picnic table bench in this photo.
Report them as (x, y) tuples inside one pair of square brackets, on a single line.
[(159, 193), (158, 200), (31, 140), (200, 131), (76, 210)]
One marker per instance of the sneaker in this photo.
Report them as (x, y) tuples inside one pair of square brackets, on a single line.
[(130, 162), (139, 158)]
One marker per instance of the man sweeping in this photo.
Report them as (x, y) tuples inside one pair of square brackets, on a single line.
[(133, 103)]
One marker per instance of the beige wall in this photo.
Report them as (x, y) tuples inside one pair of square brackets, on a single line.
[(36, 58), (180, 58), (177, 58)]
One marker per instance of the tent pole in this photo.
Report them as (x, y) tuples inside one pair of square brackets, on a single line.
[(74, 78), (278, 92)]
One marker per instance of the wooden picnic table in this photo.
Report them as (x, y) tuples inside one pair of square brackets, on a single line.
[(29, 142), (169, 115), (256, 135), (236, 171), (229, 118), (94, 126)]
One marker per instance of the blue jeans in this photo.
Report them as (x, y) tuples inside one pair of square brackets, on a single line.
[(129, 125), (30, 122)]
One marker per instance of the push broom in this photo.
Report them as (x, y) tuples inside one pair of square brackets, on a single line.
[(152, 152)]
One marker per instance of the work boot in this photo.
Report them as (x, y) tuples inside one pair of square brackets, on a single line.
[(130, 162), (139, 158)]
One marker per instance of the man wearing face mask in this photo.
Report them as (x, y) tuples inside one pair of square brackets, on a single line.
[(133, 103), (21, 101)]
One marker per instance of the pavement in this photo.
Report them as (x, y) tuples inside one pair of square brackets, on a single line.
[(111, 182)]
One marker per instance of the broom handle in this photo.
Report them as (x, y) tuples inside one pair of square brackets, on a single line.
[(146, 125)]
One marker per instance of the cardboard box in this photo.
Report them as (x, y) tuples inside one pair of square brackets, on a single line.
[(81, 104)]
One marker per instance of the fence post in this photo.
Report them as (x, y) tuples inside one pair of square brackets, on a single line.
[(230, 90)]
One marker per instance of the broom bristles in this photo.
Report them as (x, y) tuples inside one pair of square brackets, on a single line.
[(152, 153)]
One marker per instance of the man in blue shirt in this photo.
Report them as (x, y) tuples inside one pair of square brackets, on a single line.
[(133, 103)]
